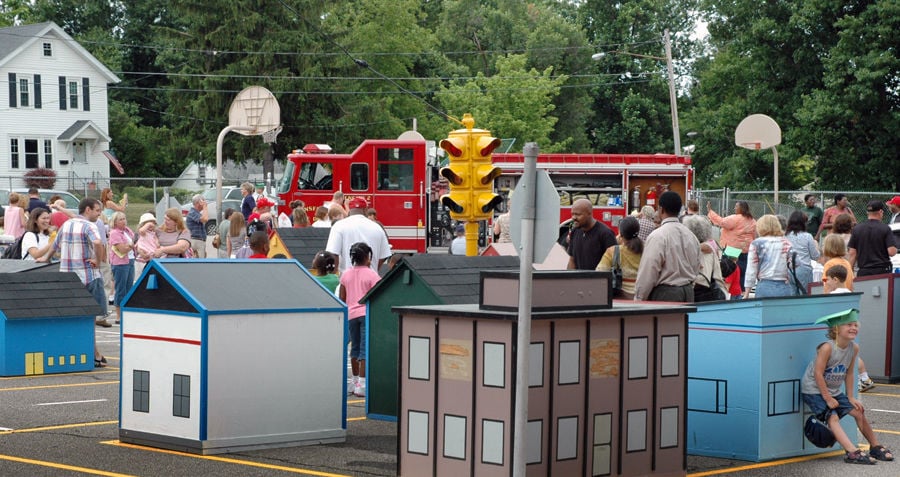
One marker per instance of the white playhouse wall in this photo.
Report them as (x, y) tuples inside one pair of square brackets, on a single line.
[(164, 345), (296, 386)]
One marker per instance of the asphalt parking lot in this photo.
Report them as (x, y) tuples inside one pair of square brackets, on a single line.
[(65, 425)]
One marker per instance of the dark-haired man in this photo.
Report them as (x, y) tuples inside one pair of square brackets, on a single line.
[(671, 258), (813, 214), (81, 251)]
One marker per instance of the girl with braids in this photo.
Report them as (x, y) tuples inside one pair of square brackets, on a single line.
[(356, 281)]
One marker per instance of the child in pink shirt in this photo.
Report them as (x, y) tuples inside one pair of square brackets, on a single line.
[(355, 283)]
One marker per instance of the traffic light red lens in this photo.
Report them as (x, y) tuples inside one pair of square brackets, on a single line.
[(487, 149), (448, 145)]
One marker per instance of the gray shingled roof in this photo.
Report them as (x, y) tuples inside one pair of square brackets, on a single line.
[(15, 266), (77, 127), (303, 243), (454, 278), (226, 285), (45, 295), (11, 38)]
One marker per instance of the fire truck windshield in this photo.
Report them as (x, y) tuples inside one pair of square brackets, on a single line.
[(284, 185)]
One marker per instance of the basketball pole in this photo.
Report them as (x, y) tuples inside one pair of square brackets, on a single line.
[(219, 143)]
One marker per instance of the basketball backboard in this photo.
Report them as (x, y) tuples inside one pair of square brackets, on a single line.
[(256, 108), (757, 131)]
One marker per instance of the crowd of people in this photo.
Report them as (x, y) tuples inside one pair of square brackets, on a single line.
[(669, 254)]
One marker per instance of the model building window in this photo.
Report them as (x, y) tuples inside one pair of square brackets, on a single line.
[(636, 427), (670, 353), (494, 365), (140, 397), (569, 360), (533, 445), (492, 443), (668, 427), (536, 365), (637, 358), (419, 358), (602, 444), (455, 437), (181, 396), (417, 432), (567, 438)]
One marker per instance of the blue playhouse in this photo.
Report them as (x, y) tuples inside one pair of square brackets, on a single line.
[(47, 324)]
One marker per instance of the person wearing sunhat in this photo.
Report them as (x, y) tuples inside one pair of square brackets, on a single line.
[(358, 228), (871, 244), (821, 383)]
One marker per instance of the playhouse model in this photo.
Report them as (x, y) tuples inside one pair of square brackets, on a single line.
[(607, 384), (227, 355), (46, 323)]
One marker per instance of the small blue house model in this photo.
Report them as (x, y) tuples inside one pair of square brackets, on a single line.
[(47, 324), (229, 355)]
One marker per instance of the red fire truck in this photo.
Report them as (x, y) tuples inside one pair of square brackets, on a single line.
[(615, 183), (392, 175), (399, 180)]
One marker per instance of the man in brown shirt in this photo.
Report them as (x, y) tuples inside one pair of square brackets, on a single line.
[(671, 258)]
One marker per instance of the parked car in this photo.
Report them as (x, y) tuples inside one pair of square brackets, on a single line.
[(231, 197), (71, 200)]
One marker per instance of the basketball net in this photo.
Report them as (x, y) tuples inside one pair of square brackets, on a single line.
[(270, 135)]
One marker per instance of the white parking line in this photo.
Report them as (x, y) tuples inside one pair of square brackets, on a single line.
[(885, 410), (69, 402)]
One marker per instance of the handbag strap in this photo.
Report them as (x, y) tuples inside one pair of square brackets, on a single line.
[(616, 264)]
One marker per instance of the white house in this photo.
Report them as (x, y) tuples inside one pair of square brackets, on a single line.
[(54, 108)]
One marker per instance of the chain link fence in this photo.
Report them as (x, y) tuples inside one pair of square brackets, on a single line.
[(763, 201)]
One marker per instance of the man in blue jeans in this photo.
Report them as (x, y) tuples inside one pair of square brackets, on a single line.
[(81, 251)]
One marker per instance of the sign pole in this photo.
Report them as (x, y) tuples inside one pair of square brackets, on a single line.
[(523, 343)]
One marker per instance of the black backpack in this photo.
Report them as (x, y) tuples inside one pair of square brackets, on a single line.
[(727, 265), (14, 250)]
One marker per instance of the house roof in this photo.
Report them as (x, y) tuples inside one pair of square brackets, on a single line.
[(15, 266), (74, 131), (45, 295), (230, 285), (454, 278), (303, 243), (16, 38)]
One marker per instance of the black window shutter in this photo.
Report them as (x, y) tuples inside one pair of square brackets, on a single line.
[(62, 93), (86, 93), (12, 91), (37, 91)]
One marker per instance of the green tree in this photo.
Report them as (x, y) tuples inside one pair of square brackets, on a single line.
[(513, 103), (849, 127), (631, 104)]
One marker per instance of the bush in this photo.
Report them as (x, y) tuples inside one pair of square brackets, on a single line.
[(42, 178)]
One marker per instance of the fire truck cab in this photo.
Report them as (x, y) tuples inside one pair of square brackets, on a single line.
[(390, 174), (616, 184)]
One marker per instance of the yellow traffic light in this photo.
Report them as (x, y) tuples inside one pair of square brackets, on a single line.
[(470, 173)]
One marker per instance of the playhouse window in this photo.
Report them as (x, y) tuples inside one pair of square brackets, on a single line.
[(140, 401), (181, 399)]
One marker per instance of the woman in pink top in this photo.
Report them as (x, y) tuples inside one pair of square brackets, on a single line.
[(738, 230), (121, 257), (355, 283), (14, 218)]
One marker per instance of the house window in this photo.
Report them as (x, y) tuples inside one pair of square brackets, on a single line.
[(73, 95), (48, 154), (14, 153), (140, 389), (181, 396), (48, 49), (31, 153), (24, 93)]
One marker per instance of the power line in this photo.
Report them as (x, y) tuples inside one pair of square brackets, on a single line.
[(215, 52)]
